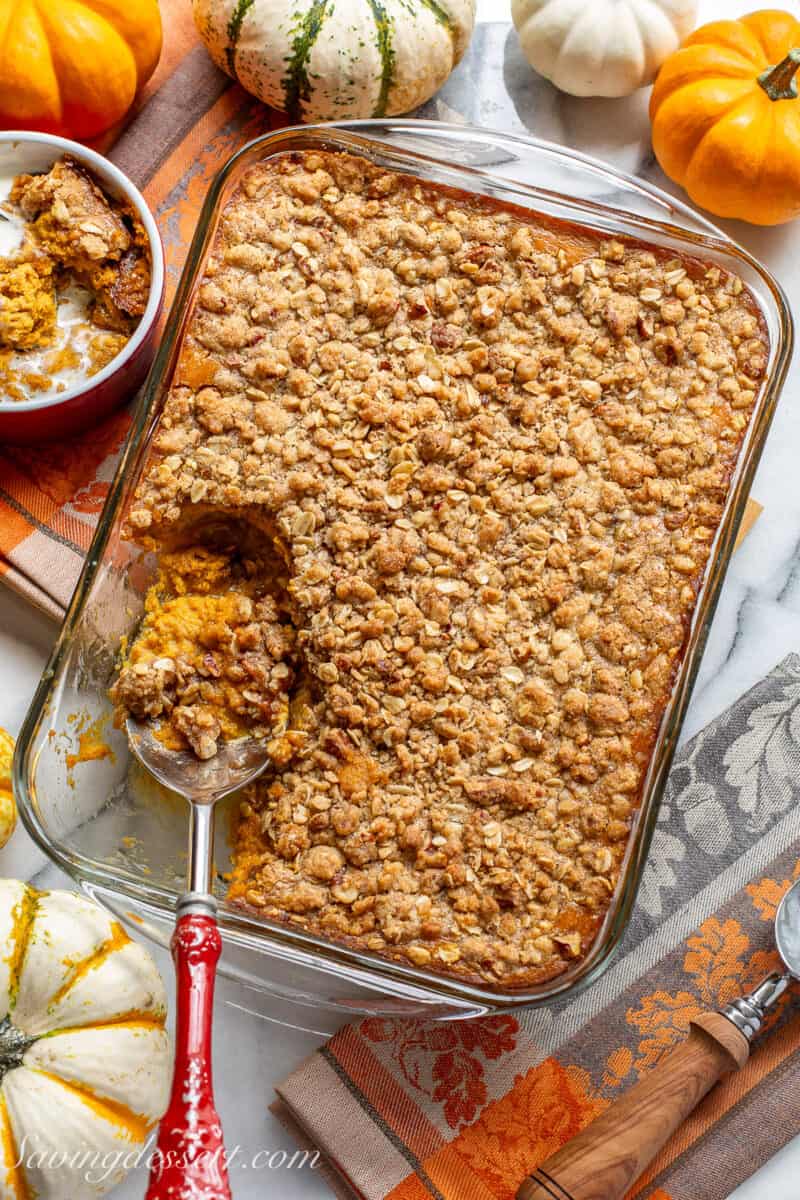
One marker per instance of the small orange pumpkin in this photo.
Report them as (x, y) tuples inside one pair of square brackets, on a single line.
[(72, 67), (8, 808), (726, 117)]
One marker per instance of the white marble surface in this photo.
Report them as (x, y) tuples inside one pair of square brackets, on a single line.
[(757, 623)]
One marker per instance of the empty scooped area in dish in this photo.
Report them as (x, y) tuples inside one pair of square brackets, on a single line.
[(215, 655)]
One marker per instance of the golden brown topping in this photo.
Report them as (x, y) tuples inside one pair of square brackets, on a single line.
[(494, 457)]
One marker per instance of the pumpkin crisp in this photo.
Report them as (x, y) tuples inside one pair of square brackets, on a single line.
[(490, 453), (75, 224), (74, 292)]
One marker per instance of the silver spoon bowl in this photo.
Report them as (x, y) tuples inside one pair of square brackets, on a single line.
[(191, 1119), (787, 930), (747, 1012), (201, 782)]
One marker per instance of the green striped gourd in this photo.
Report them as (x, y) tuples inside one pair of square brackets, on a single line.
[(321, 60)]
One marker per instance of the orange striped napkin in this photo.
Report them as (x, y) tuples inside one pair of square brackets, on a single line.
[(464, 1111)]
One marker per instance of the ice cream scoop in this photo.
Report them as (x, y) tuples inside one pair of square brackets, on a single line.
[(607, 1157)]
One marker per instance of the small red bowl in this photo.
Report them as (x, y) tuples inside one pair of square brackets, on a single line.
[(51, 417)]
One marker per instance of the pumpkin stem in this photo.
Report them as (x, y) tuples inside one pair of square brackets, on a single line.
[(779, 82), (13, 1044)]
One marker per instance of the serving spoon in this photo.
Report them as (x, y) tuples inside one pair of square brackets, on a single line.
[(605, 1160), (189, 1163)]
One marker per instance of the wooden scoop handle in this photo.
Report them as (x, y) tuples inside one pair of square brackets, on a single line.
[(605, 1160)]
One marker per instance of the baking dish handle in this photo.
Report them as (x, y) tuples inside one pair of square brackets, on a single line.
[(190, 1162)]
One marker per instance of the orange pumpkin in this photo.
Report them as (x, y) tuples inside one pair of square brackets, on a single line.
[(726, 117), (8, 808), (72, 67)]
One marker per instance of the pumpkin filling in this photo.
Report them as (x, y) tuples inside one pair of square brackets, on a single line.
[(214, 655), (492, 452), (75, 287), (27, 303)]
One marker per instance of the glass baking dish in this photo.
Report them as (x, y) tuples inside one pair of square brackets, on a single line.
[(81, 796)]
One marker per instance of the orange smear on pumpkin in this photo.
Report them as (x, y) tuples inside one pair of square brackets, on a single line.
[(133, 1126), (118, 939), (15, 1181)]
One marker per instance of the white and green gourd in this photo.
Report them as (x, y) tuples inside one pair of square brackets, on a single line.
[(601, 47), (327, 60), (85, 1061)]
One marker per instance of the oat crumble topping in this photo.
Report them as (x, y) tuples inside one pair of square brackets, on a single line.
[(490, 453)]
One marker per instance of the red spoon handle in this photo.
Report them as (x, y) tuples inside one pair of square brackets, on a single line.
[(189, 1163)]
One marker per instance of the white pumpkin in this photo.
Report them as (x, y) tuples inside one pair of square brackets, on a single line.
[(601, 47), (85, 1061), (326, 60)]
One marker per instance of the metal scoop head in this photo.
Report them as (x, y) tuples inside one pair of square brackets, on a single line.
[(787, 930), (747, 1012), (201, 781)]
